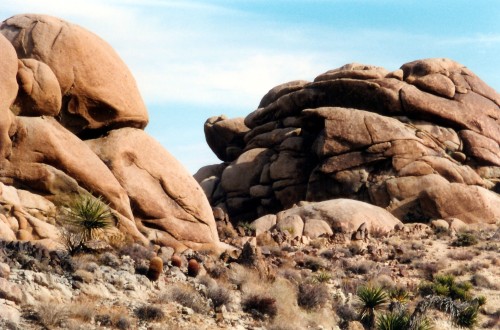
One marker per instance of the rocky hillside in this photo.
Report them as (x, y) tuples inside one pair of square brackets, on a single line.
[(421, 142), (72, 120), (365, 199)]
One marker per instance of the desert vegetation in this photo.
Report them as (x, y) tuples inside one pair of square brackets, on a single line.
[(377, 283)]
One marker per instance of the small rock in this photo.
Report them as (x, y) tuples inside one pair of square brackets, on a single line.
[(457, 225), (440, 225), (4, 270), (10, 291), (187, 311)]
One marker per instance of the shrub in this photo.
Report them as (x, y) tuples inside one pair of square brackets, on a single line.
[(465, 239), (371, 299), (219, 295), (149, 313), (51, 315), (393, 321), (186, 296), (467, 318), (260, 306), (322, 277), (446, 286), (123, 323), (90, 216), (311, 296), (137, 252), (462, 255)]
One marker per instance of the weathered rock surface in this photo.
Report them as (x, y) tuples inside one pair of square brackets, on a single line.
[(65, 86), (98, 90), (344, 215), (167, 202), (8, 92), (39, 92), (361, 132)]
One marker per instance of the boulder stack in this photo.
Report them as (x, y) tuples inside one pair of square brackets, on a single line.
[(422, 141), (71, 124)]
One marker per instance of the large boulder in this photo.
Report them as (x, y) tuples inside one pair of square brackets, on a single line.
[(65, 100), (8, 92), (225, 136), (98, 90), (39, 93), (344, 215), (168, 204), (471, 204), (364, 133)]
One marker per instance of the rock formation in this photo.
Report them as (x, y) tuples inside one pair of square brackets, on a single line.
[(72, 120), (422, 142)]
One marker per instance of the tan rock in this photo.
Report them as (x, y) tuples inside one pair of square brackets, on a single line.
[(39, 92), (345, 215), (169, 205), (222, 133), (8, 92), (209, 171), (99, 91), (263, 224), (314, 228), (9, 313), (33, 201), (4, 270), (6, 232), (440, 225), (280, 90), (457, 225), (10, 291), (437, 84), (42, 140), (293, 224), (470, 204), (245, 171), (354, 71), (481, 147), (43, 229)]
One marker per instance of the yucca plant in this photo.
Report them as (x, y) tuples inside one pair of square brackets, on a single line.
[(371, 299), (89, 216), (399, 297), (393, 321)]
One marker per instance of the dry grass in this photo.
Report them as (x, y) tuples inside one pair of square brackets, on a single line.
[(52, 314), (186, 295)]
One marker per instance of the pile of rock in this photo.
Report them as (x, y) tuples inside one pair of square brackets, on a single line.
[(422, 142), (71, 123)]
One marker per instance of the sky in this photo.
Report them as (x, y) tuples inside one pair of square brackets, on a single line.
[(197, 59)]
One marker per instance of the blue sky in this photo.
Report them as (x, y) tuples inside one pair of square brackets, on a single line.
[(196, 59)]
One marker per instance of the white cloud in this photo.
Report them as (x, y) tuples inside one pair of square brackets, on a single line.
[(213, 56)]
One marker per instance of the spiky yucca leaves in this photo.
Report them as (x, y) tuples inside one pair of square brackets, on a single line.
[(371, 299), (89, 216), (393, 321), (399, 297), (402, 321), (463, 314)]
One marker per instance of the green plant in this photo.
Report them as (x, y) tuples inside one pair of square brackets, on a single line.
[(322, 277), (149, 313), (467, 318), (85, 218), (399, 297), (371, 299), (393, 321), (311, 296), (260, 306), (91, 215), (465, 239)]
